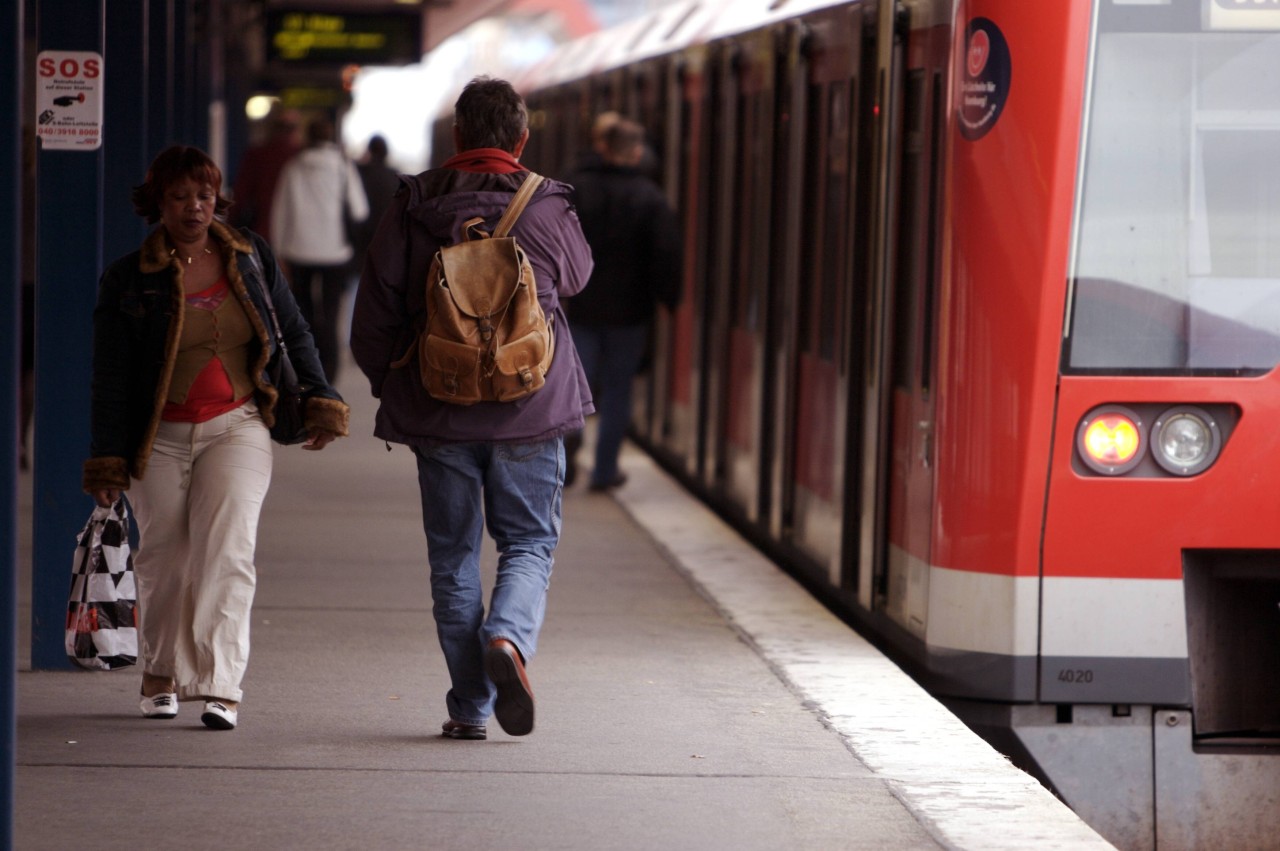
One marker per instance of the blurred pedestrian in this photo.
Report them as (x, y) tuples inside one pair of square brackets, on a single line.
[(635, 239), (594, 156), (380, 183), (181, 403), (319, 191), (492, 463), (259, 171)]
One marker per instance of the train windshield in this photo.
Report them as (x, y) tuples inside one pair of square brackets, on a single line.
[(1176, 267)]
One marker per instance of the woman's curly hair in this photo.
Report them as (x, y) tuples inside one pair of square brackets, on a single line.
[(171, 165)]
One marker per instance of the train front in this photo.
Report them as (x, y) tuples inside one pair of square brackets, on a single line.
[(1159, 640)]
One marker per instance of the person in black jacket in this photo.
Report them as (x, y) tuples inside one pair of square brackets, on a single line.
[(380, 184), (635, 238), (182, 345)]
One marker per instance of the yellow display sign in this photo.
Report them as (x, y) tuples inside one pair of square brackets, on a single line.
[(1244, 14), (328, 38)]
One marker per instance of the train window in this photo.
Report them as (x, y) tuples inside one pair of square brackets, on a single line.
[(1177, 260), (912, 232), (695, 152), (753, 213), (827, 198), (816, 270), (834, 220), (931, 243)]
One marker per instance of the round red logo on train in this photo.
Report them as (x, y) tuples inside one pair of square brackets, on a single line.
[(979, 50), (988, 72)]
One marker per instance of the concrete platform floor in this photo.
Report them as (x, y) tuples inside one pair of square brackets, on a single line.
[(690, 696)]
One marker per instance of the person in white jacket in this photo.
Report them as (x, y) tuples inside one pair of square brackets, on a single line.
[(318, 191)]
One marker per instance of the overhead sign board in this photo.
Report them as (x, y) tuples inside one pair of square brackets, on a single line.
[(325, 38), (69, 100), (1244, 14)]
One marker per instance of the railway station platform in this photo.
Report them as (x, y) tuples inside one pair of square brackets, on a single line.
[(690, 696)]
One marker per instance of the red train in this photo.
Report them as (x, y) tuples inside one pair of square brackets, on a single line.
[(979, 338)]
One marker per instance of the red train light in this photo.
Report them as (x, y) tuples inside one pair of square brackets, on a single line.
[(1111, 440)]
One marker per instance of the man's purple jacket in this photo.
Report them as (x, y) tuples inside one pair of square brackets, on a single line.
[(427, 213)]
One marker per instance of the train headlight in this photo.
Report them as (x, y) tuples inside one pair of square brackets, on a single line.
[(1185, 440), (1111, 440)]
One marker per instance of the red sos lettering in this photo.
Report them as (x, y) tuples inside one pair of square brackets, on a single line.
[(68, 68)]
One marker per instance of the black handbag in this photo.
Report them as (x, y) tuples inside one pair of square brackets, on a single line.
[(291, 403), (290, 411)]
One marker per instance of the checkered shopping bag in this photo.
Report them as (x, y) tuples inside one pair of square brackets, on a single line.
[(102, 620)]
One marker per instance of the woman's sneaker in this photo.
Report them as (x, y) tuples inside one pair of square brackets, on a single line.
[(218, 716), (164, 705)]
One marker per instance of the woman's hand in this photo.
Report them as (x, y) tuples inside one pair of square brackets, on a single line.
[(318, 440), (106, 497)]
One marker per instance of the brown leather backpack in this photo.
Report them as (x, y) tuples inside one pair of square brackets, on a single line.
[(486, 338)]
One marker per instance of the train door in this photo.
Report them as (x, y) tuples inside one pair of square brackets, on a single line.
[(897, 474), (608, 92), (810, 494), (680, 350), (548, 137), (736, 448), (674, 135), (646, 104), (912, 353), (785, 286), (575, 118), (722, 200), (555, 134), (877, 207), (645, 99)]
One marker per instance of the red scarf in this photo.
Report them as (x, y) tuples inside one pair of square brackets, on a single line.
[(484, 161)]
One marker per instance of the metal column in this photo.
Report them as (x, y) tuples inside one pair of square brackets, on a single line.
[(10, 331)]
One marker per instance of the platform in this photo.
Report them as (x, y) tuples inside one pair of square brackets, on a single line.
[(690, 696)]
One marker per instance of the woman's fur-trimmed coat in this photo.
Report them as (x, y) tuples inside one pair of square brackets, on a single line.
[(137, 326)]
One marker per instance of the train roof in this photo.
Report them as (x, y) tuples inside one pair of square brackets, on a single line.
[(666, 30)]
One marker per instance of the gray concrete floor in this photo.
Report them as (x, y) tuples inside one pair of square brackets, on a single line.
[(661, 722)]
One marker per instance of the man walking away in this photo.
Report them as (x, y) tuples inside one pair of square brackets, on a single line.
[(635, 237), (494, 463), (318, 188)]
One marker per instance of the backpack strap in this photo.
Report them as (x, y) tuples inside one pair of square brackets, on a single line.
[(517, 205)]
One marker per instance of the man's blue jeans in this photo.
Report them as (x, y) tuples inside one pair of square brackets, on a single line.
[(516, 489), (610, 357)]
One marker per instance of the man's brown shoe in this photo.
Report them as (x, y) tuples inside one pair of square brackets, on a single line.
[(514, 706), (457, 730)]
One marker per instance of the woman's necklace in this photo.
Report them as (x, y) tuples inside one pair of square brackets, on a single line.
[(173, 252)]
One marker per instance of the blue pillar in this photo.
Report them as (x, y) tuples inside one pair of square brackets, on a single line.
[(192, 82), (179, 79), (11, 333), (125, 110), (69, 219), (162, 73)]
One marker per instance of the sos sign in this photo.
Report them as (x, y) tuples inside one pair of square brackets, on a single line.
[(69, 66), (69, 100)]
